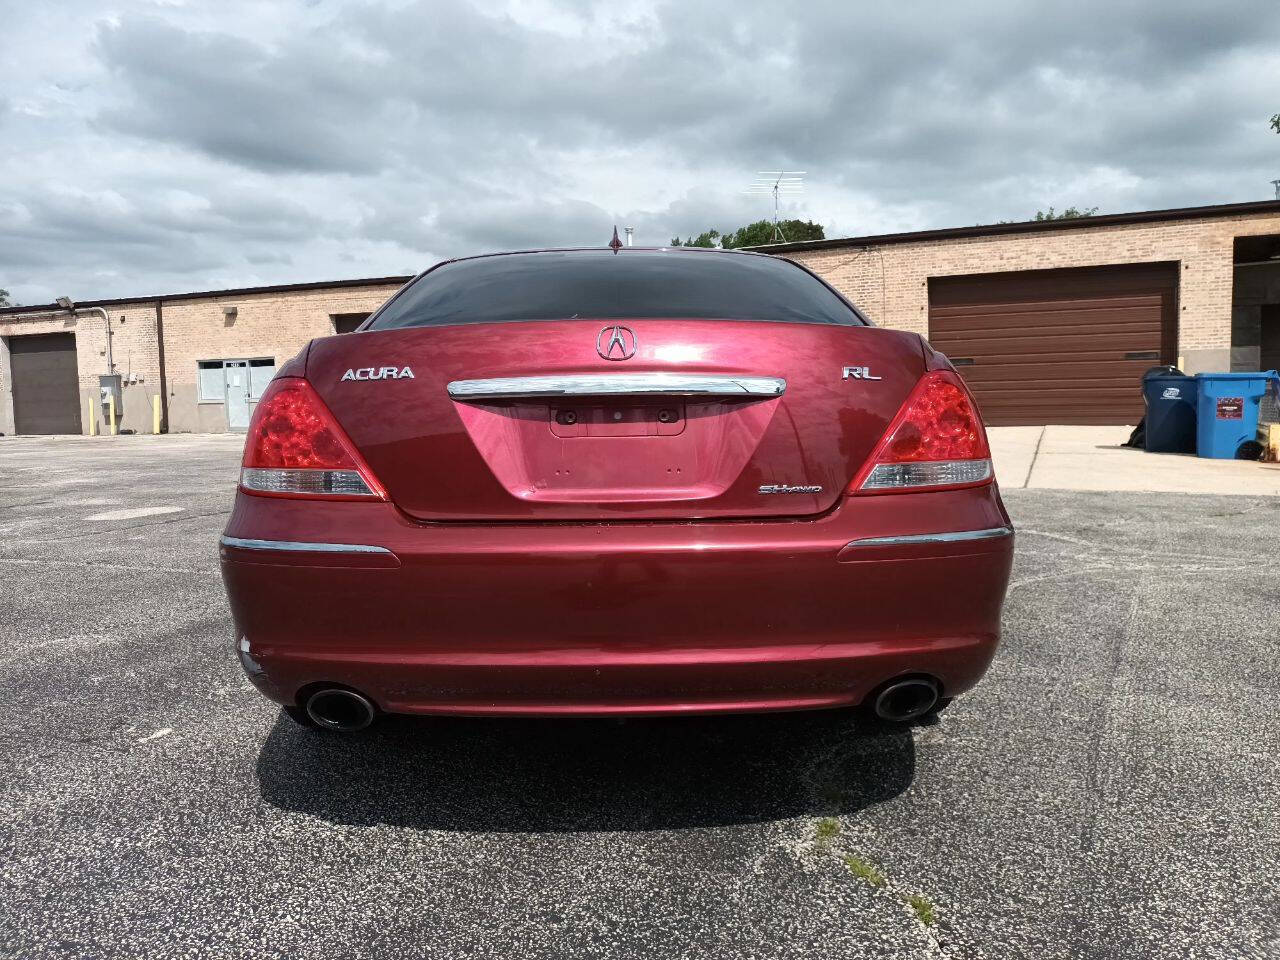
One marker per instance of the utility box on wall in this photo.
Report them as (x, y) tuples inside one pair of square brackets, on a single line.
[(110, 389)]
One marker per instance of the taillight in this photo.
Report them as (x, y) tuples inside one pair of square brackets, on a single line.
[(936, 441), (295, 448)]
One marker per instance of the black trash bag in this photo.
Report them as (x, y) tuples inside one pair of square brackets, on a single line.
[(1138, 438)]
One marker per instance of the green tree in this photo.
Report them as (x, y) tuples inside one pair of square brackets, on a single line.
[(1071, 213), (1275, 122), (754, 235), (761, 232), (4, 298), (711, 238)]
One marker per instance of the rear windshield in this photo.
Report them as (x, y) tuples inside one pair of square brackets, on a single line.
[(602, 285)]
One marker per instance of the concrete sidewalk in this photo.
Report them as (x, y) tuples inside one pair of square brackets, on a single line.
[(1092, 458)]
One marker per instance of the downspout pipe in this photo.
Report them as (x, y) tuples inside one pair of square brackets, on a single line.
[(106, 319), (164, 379), (69, 306)]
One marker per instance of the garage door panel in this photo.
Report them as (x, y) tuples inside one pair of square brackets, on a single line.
[(1021, 419), (1106, 345), (1046, 373), (1028, 413), (46, 384), (1056, 394), (1057, 346), (1018, 319), (1060, 325), (1029, 403), (1140, 316), (1093, 302), (1031, 286)]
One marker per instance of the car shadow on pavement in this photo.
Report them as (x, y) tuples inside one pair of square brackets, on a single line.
[(567, 775)]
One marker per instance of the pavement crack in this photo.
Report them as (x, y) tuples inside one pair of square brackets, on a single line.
[(1034, 457), (1102, 721), (922, 911), (65, 740)]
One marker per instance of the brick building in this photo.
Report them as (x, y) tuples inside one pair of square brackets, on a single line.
[(1050, 322), (1055, 321), (206, 355)]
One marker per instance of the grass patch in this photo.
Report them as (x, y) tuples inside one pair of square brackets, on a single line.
[(864, 871), (828, 828), (923, 908)]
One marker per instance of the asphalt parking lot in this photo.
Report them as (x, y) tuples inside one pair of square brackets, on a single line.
[(1108, 791)]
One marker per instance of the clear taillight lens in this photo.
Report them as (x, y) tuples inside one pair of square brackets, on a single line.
[(936, 441), (295, 448), (944, 473)]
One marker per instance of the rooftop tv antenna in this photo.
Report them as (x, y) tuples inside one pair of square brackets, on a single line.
[(780, 183)]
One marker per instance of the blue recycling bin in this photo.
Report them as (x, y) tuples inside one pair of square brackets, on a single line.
[(1171, 412), (1227, 411)]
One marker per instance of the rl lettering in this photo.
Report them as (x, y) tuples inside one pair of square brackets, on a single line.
[(859, 373)]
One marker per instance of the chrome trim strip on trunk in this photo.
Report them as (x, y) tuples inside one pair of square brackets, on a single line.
[(295, 546), (618, 384), (955, 537)]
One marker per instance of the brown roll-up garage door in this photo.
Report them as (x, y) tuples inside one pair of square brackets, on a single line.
[(1057, 346), (46, 386)]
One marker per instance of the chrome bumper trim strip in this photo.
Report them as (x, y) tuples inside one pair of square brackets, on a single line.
[(295, 546), (619, 384), (955, 537)]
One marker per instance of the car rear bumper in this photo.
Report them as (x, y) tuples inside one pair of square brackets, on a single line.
[(625, 618)]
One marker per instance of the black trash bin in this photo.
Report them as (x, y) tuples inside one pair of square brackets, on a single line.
[(1170, 397)]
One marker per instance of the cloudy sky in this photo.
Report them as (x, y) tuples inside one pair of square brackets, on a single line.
[(160, 146)]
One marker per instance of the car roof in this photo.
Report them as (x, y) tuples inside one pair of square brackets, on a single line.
[(609, 250)]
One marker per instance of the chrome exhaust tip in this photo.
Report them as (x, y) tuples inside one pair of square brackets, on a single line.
[(906, 700), (336, 708)]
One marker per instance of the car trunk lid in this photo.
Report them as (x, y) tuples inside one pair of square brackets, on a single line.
[(533, 421)]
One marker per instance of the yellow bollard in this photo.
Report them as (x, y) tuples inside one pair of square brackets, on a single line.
[(155, 414), (93, 420), (111, 411)]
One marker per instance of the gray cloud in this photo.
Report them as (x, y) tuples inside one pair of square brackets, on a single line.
[(184, 148), (229, 98), (470, 223)]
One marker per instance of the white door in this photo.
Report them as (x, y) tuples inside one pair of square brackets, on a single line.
[(237, 374)]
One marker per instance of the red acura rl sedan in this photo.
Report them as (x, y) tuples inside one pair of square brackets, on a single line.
[(596, 482)]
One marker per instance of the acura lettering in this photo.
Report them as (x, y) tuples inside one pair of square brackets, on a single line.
[(378, 373)]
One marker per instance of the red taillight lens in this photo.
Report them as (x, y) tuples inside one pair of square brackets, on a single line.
[(936, 440), (295, 448)]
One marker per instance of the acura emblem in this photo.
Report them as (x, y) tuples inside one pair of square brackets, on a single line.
[(616, 343)]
